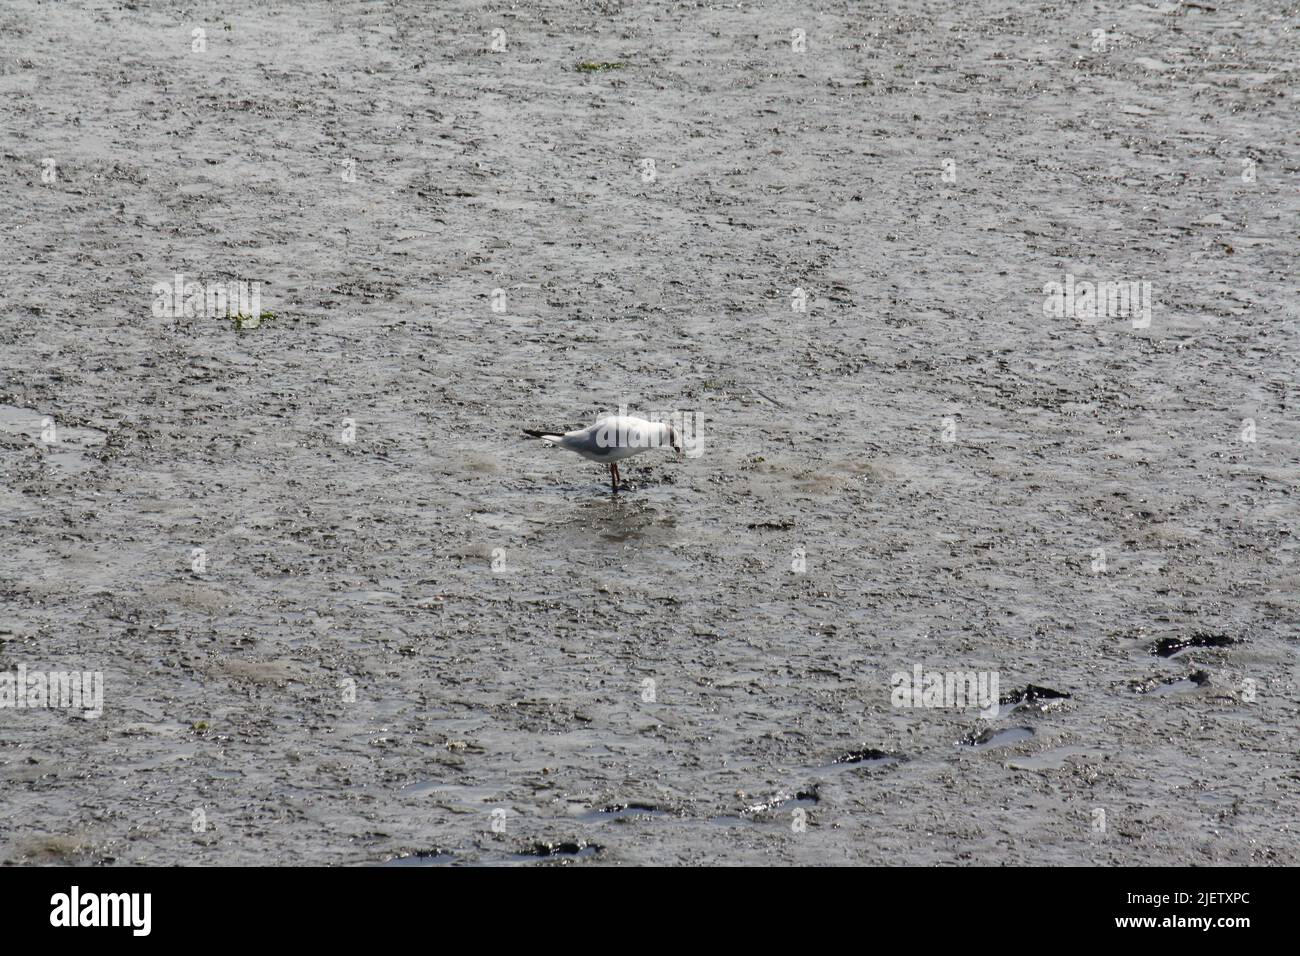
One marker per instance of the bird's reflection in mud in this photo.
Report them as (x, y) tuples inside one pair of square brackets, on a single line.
[(620, 518)]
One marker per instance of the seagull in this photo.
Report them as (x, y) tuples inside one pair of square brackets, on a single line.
[(612, 439)]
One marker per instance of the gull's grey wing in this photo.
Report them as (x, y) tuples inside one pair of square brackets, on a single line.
[(584, 441)]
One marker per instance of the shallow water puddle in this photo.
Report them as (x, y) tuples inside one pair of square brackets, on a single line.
[(422, 858), (990, 738), (370, 597), (65, 445), (166, 758), (472, 797), (1156, 686), (14, 506), (504, 523), (1055, 759), (1183, 685)]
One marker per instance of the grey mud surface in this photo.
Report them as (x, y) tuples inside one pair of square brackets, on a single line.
[(522, 689)]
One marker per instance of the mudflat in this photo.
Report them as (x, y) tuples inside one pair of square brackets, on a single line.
[(345, 612)]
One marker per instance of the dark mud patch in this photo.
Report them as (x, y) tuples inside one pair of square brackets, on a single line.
[(866, 755), (1034, 697), (567, 848), (1170, 646)]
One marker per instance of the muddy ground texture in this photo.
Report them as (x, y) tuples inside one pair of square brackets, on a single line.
[(502, 711)]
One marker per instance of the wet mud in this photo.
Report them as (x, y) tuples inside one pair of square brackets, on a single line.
[(346, 614)]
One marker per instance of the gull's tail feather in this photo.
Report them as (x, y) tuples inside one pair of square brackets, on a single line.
[(549, 436)]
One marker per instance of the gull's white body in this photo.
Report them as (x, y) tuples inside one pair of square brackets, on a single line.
[(612, 439)]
